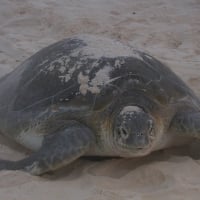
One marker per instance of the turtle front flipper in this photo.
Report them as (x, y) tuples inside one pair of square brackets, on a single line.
[(187, 123), (58, 149)]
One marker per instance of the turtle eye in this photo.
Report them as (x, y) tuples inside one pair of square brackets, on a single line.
[(122, 133)]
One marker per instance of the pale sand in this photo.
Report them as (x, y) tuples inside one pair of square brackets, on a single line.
[(169, 30)]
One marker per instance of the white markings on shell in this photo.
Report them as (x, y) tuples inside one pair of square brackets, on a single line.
[(83, 81), (94, 85), (99, 46), (101, 77), (119, 63), (130, 109), (60, 61), (60, 65), (96, 48)]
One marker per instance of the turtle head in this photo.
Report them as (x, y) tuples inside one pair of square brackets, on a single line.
[(133, 130)]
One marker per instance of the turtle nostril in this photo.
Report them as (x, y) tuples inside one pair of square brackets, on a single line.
[(140, 134)]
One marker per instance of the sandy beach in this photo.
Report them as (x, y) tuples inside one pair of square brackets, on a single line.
[(168, 30)]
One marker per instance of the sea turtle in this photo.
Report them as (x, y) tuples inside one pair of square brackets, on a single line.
[(94, 96)]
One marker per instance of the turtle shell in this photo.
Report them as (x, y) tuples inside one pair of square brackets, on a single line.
[(90, 71)]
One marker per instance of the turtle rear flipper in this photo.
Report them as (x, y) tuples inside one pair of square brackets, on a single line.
[(187, 123), (58, 149)]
